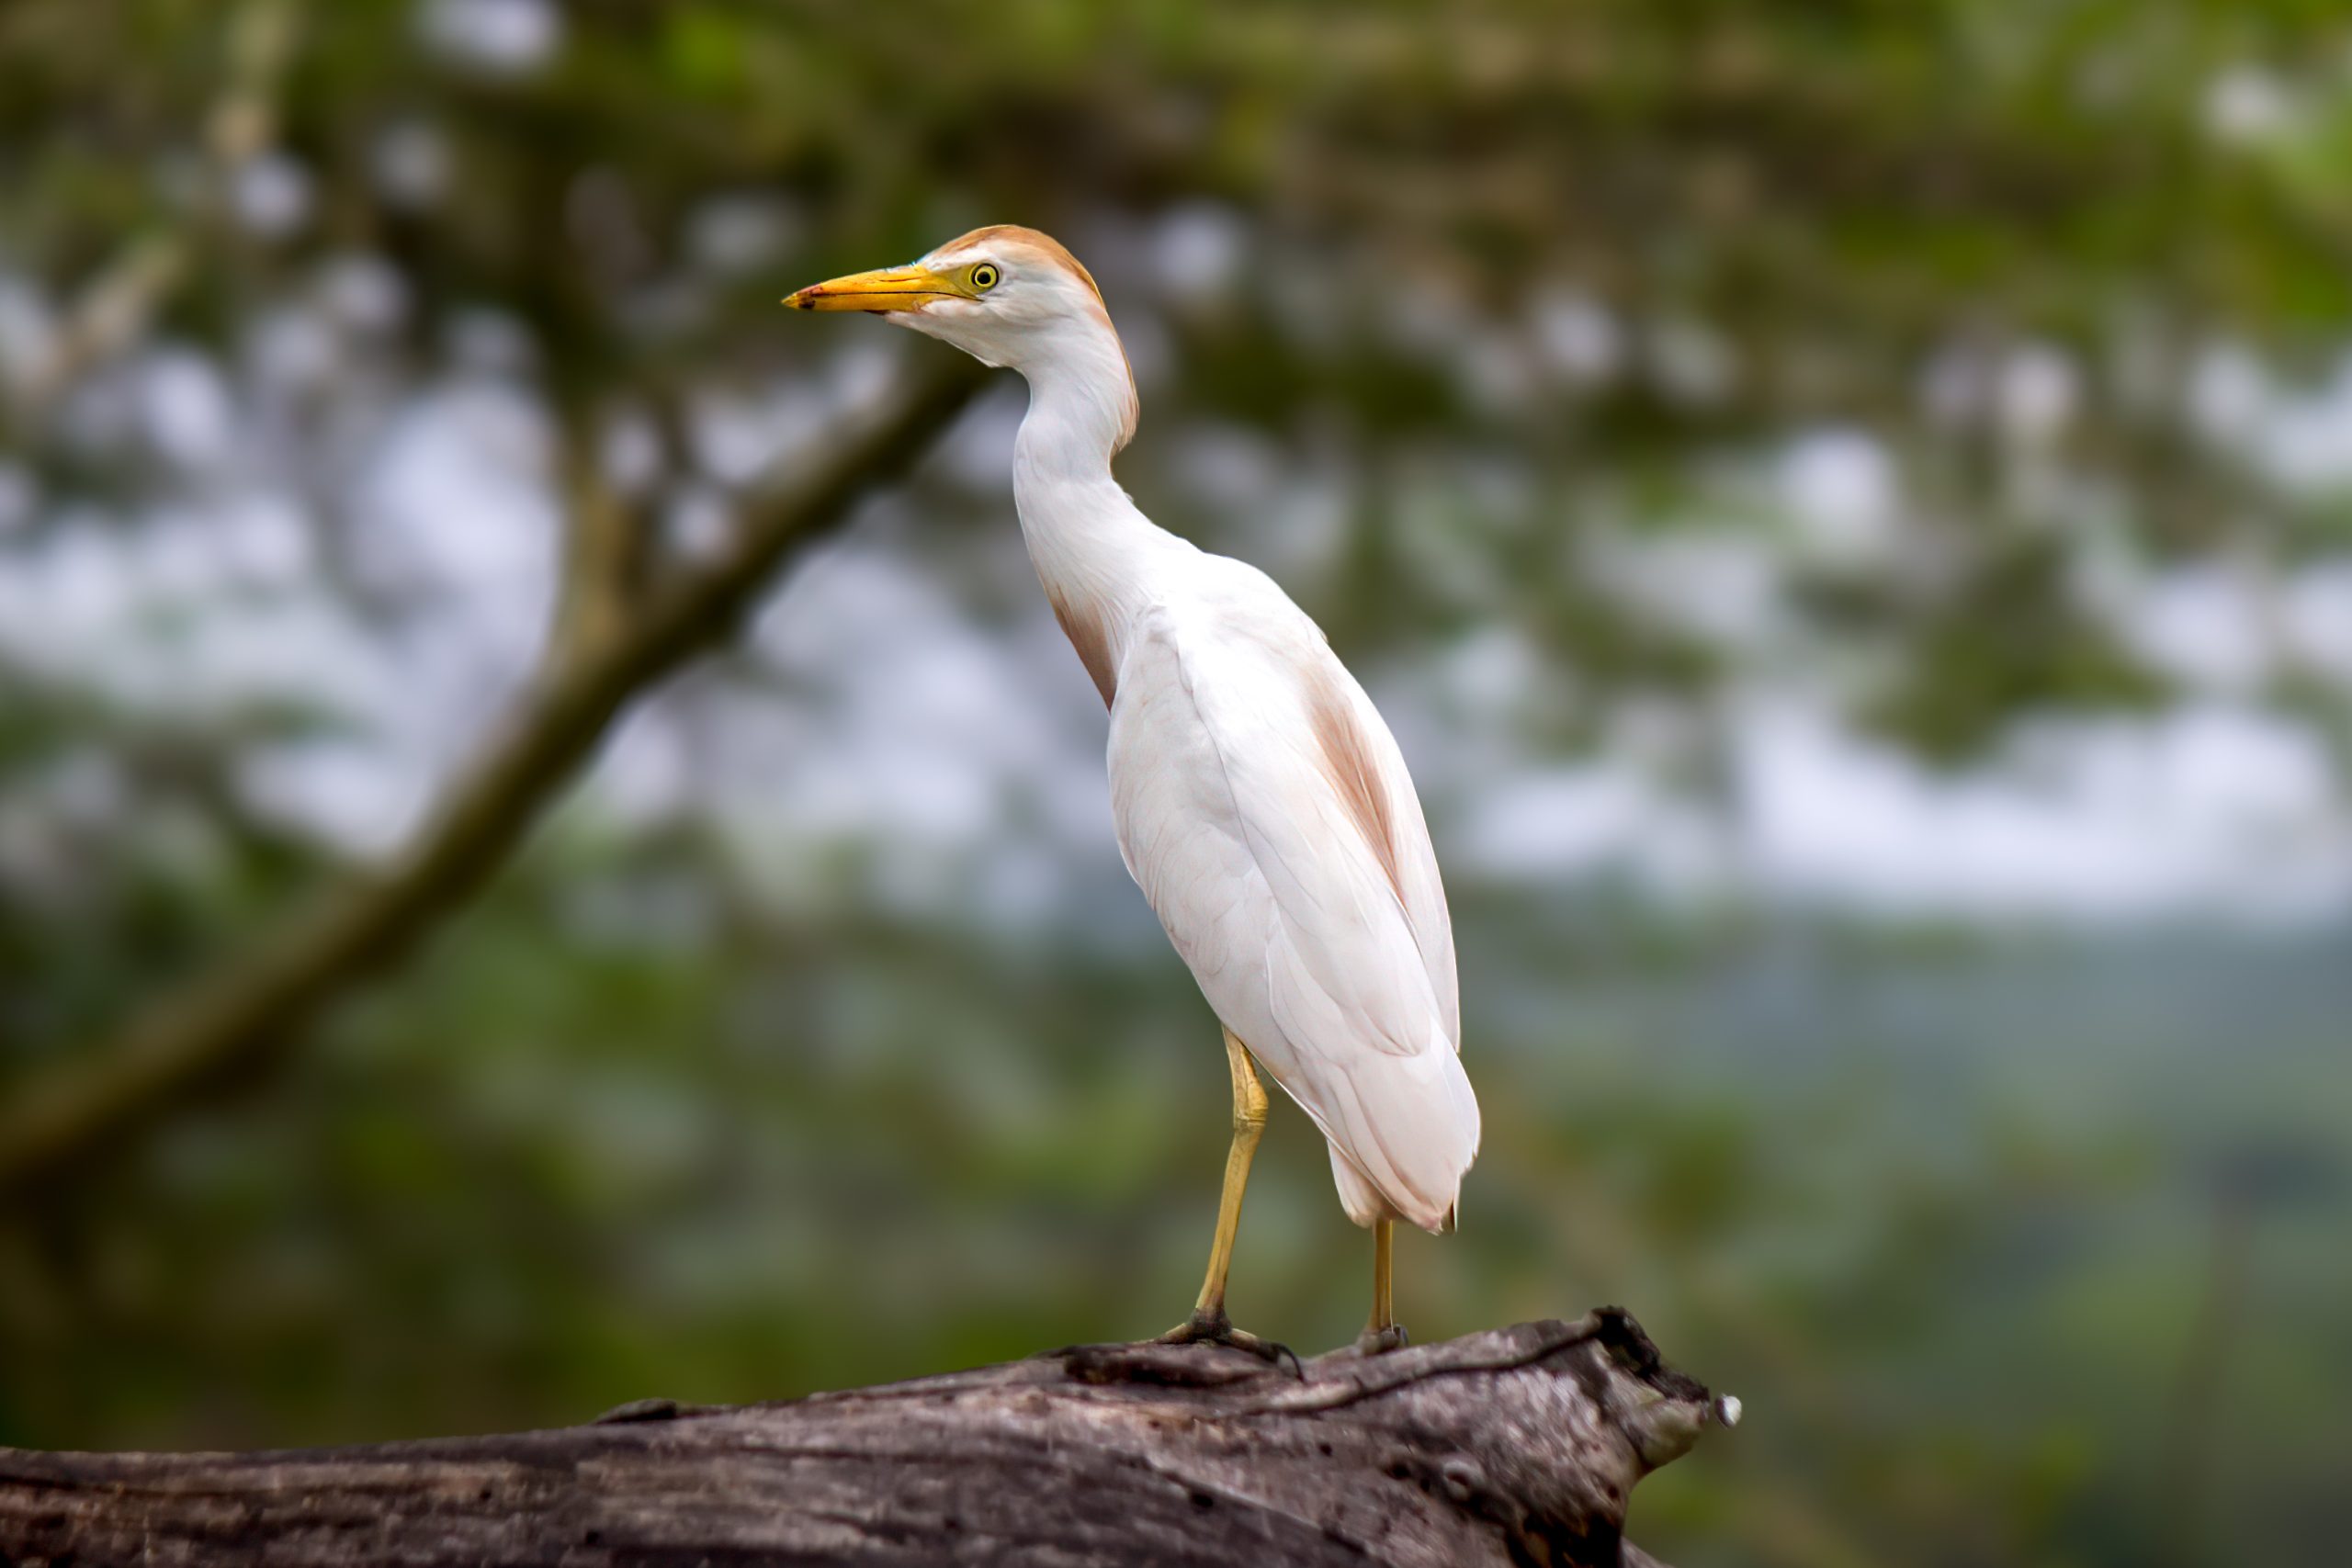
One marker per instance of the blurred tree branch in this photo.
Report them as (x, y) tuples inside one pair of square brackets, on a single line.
[(231, 1019), (604, 571), (115, 311)]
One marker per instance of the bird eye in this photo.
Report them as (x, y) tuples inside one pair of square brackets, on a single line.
[(985, 276)]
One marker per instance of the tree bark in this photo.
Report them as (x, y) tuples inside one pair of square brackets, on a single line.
[(1514, 1445)]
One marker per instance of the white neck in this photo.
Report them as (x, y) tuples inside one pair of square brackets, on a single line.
[(1094, 552)]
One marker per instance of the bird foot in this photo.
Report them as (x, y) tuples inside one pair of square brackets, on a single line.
[(1380, 1341), (1216, 1329)]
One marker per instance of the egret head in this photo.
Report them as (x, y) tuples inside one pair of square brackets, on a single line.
[(1006, 296)]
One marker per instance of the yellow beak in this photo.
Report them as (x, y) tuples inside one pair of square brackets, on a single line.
[(885, 289)]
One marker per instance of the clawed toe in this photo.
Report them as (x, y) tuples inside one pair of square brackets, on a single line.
[(1380, 1341), (1216, 1329)]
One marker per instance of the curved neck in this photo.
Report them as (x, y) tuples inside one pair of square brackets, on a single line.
[(1093, 550), (1083, 403)]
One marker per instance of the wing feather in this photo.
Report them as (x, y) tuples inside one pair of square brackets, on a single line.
[(1265, 811)]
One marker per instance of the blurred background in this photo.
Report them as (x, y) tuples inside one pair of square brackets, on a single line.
[(1845, 506)]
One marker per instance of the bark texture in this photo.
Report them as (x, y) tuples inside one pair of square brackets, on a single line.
[(1515, 1446)]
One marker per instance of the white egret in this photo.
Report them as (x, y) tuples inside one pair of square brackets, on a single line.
[(1261, 803)]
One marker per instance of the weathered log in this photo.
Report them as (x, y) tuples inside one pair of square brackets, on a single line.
[(1515, 1446)]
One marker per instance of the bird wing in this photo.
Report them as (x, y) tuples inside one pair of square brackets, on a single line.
[(1266, 813)]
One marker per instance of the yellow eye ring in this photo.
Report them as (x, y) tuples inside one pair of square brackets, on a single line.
[(984, 276)]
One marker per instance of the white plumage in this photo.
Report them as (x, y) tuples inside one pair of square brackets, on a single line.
[(1254, 849), (1262, 804)]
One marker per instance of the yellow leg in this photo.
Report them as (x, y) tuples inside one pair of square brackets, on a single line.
[(1382, 1331), (1209, 1320), (1249, 1126)]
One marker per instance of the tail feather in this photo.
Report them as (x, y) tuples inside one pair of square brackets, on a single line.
[(1421, 1139), (1358, 1196)]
